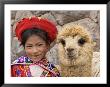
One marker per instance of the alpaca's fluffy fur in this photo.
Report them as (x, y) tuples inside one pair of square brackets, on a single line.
[(75, 51)]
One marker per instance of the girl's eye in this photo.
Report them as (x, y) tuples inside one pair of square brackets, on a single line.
[(28, 46), (40, 44), (81, 41)]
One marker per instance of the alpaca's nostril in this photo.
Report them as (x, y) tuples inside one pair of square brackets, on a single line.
[(69, 49)]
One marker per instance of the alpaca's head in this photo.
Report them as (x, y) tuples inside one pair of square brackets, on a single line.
[(75, 46)]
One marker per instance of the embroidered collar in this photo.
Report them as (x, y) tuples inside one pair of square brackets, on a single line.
[(25, 59)]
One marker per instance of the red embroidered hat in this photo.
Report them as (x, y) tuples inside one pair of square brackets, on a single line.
[(36, 22)]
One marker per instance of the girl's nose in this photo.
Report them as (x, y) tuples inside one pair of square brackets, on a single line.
[(35, 49)]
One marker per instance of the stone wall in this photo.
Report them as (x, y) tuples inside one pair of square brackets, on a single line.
[(89, 19)]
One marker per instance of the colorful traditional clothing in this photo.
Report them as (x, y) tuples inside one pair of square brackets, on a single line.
[(24, 67)]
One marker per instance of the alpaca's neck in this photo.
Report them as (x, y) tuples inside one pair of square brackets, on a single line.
[(77, 71)]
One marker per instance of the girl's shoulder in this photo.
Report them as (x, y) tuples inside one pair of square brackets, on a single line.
[(22, 60)]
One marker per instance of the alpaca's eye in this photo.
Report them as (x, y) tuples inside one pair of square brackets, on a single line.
[(81, 41), (62, 41)]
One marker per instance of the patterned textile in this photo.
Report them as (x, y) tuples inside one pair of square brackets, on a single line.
[(24, 67)]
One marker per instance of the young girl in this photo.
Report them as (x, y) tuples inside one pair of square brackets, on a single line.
[(36, 35)]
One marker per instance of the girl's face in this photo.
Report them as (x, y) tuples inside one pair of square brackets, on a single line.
[(36, 48)]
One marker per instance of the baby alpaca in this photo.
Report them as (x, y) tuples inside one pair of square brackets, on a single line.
[(75, 51)]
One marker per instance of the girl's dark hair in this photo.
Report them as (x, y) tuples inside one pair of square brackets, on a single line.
[(38, 32)]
